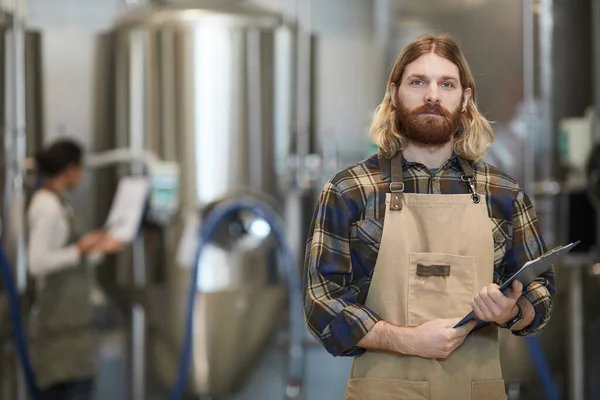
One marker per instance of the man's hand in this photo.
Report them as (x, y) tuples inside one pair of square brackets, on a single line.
[(492, 305), (433, 339), (437, 338)]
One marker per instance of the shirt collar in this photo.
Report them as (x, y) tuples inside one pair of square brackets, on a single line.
[(385, 165)]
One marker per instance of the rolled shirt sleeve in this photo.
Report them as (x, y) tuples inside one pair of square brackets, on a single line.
[(330, 301), (528, 244)]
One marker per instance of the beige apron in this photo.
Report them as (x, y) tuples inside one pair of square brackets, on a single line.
[(436, 253)]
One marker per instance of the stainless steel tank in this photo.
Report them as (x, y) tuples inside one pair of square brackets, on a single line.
[(199, 86), (21, 136)]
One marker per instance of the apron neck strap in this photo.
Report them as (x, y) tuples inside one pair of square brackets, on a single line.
[(469, 177), (397, 181), (397, 184), (466, 167)]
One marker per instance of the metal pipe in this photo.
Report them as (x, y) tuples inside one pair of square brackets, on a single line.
[(20, 142), (596, 53), (138, 338), (254, 95), (15, 147), (121, 156), (546, 38), (545, 141), (303, 75), (299, 117), (137, 128), (138, 322), (529, 92), (140, 160), (384, 14), (576, 336)]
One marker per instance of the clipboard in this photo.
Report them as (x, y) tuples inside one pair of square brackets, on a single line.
[(125, 216), (527, 274)]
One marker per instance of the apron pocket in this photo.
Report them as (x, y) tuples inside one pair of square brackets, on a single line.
[(488, 390), (386, 389), (439, 286)]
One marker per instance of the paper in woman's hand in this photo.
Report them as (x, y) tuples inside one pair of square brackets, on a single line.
[(127, 208)]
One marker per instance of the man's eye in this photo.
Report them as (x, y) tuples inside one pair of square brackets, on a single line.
[(417, 82), (448, 85)]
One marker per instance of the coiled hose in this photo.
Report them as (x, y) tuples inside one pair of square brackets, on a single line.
[(14, 307), (295, 349)]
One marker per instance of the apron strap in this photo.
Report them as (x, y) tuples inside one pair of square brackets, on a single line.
[(397, 184), (469, 177)]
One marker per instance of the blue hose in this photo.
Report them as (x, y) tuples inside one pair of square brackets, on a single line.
[(542, 367), (209, 226), (15, 316)]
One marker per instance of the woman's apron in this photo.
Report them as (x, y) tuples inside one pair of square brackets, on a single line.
[(63, 341)]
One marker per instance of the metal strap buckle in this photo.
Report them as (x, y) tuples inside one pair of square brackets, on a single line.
[(474, 195), (397, 187)]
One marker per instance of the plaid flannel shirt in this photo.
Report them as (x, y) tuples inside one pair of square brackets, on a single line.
[(341, 254)]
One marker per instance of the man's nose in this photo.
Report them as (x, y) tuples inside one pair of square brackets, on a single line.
[(432, 96)]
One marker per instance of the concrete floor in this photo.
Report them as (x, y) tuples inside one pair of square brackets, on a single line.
[(325, 376)]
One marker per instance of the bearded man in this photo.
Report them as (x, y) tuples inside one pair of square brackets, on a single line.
[(408, 241)]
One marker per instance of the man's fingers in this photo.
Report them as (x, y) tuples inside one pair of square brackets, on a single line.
[(450, 322), (456, 342), (483, 309), (497, 296), (477, 311), (494, 302), (492, 308), (463, 331)]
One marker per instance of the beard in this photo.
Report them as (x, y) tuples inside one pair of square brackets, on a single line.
[(419, 126)]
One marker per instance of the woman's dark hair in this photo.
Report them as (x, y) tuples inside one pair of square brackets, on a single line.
[(57, 157)]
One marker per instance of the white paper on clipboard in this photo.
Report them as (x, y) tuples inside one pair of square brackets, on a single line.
[(127, 208)]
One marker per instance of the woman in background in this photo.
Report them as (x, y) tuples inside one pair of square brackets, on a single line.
[(63, 347)]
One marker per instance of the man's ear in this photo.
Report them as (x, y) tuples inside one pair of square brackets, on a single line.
[(466, 97), (393, 94)]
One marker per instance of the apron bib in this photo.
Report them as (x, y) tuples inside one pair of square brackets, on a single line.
[(436, 254), (62, 334)]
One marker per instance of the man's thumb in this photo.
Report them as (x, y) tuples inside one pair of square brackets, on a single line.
[(517, 289)]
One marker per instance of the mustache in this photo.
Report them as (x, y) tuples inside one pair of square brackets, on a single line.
[(432, 109)]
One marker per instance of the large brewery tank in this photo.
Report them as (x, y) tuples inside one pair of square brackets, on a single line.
[(21, 136), (199, 85)]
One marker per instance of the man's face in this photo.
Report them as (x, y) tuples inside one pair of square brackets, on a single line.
[(429, 100)]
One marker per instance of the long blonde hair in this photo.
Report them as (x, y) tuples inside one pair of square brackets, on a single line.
[(475, 134)]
